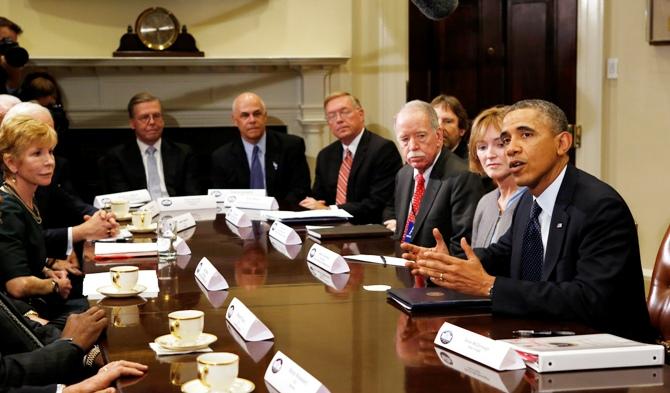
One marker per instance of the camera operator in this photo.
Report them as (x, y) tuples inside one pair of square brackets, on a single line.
[(12, 56)]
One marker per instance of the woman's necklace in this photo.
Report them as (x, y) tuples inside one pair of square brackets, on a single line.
[(35, 212)]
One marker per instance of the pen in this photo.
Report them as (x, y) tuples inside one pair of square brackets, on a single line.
[(542, 333), (383, 260)]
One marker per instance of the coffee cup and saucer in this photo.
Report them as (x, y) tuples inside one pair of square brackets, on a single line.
[(217, 373), (124, 282), (120, 208), (186, 332), (141, 222)]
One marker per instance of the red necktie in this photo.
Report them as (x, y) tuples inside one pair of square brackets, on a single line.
[(343, 178), (416, 203)]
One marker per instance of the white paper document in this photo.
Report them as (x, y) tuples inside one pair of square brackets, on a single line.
[(123, 234), (209, 276), (160, 351), (124, 250), (134, 197), (306, 216), (284, 233), (246, 323), (93, 281), (327, 260), (286, 376), (489, 352), (378, 259)]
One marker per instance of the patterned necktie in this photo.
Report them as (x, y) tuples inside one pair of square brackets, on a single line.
[(532, 252), (416, 204), (256, 170), (153, 179), (343, 178)]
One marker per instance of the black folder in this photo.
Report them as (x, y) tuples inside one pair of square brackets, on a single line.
[(434, 299), (350, 231)]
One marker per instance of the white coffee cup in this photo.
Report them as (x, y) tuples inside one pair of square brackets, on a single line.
[(218, 370), (124, 277), (123, 316), (141, 219), (186, 325), (120, 207)]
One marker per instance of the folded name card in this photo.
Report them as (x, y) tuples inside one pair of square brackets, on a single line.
[(216, 298), (244, 233), (207, 274), (255, 349), (336, 281), (284, 233), (238, 218), (256, 202), (181, 247), (229, 196), (133, 197), (246, 323), (187, 203), (184, 221), (151, 207), (290, 251), (489, 352), (327, 260), (286, 376)]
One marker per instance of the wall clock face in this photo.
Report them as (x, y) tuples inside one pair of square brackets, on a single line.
[(157, 28)]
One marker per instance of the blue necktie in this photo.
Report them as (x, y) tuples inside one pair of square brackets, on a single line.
[(256, 170), (153, 179), (532, 252)]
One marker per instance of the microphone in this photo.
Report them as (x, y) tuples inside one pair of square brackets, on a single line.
[(436, 9)]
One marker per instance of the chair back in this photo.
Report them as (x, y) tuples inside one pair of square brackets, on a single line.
[(658, 302)]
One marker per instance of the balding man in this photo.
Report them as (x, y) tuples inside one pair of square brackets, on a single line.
[(6, 102), (434, 189), (261, 158)]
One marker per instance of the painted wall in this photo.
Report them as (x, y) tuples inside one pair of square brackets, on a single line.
[(636, 124)]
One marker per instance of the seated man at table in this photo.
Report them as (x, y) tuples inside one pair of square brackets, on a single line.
[(150, 161), (356, 172), (572, 251), (275, 161), (434, 189), (32, 356)]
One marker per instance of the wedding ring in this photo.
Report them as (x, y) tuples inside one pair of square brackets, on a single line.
[(105, 369), (441, 276)]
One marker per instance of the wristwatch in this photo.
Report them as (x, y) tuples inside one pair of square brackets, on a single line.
[(54, 287)]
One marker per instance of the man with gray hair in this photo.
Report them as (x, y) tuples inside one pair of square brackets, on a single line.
[(434, 189), (6, 102)]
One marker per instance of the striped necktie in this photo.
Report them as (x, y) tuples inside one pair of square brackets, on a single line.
[(343, 178), (419, 190)]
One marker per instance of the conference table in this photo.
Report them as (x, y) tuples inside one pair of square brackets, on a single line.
[(345, 335)]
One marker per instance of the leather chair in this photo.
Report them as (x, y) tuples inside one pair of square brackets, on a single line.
[(658, 302)]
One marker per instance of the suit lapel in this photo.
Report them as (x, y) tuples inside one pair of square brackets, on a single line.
[(169, 167), (361, 153), (243, 166), (559, 222), (404, 194), (133, 158), (272, 150), (521, 218)]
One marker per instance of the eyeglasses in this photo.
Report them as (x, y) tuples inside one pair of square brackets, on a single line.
[(147, 118), (344, 113)]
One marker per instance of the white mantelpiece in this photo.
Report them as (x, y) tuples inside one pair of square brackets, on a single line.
[(196, 92)]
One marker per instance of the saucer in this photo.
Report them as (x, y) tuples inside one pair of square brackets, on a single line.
[(150, 228), (170, 342), (112, 291), (240, 385)]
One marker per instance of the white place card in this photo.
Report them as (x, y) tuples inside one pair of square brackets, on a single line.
[(489, 352), (184, 221), (286, 376), (209, 276), (256, 202), (327, 260), (133, 197), (246, 323), (238, 218), (187, 203), (181, 247), (284, 233), (216, 298), (229, 196), (151, 207), (183, 261), (336, 281), (290, 251), (255, 349)]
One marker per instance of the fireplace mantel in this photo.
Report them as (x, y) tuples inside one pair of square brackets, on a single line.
[(196, 92)]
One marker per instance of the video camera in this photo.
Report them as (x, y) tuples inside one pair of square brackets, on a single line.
[(14, 55)]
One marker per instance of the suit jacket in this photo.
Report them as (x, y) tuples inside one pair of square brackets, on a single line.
[(123, 169), (448, 203), (371, 178), (591, 270), (462, 150), (286, 170)]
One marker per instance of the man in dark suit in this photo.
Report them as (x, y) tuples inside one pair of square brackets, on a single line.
[(434, 189), (454, 123), (278, 164), (591, 269), (355, 173), (164, 168)]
